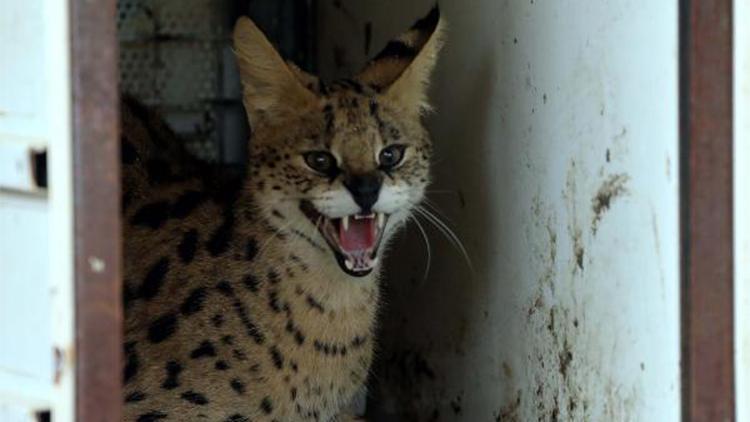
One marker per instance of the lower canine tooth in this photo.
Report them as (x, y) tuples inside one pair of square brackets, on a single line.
[(349, 265), (381, 220), (345, 222)]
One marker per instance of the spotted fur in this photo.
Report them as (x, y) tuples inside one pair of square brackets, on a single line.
[(235, 308)]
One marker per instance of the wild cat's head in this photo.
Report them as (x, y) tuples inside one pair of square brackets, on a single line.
[(341, 164)]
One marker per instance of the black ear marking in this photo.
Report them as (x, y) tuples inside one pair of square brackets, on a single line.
[(397, 50), (428, 23)]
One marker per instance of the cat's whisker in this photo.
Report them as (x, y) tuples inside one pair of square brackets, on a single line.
[(277, 231), (447, 232), (426, 243), (435, 208)]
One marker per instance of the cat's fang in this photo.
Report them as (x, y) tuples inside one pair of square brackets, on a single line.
[(345, 222), (381, 220), (349, 264)]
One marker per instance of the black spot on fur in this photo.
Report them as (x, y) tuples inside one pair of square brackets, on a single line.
[(205, 349), (251, 282), (154, 279), (237, 386), (151, 417), (374, 107), (396, 50), (358, 341), (128, 154), (225, 288), (273, 277), (315, 304), (276, 357), (221, 365), (293, 393), (252, 330), (186, 248), (159, 171), (217, 320), (229, 340), (131, 361), (266, 405), (195, 398), (187, 202), (352, 84), (251, 249), (151, 215), (237, 418), (172, 381), (162, 328), (273, 301), (194, 302), (134, 397), (329, 117), (239, 355), (221, 238)]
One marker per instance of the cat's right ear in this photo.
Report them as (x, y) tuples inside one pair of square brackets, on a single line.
[(270, 89)]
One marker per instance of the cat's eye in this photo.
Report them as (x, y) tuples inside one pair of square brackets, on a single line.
[(320, 161), (391, 156)]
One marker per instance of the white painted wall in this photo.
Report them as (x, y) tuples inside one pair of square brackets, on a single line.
[(742, 205), (556, 162)]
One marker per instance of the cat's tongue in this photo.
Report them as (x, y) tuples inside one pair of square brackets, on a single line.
[(361, 235)]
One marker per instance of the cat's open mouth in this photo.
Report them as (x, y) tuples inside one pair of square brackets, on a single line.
[(354, 239)]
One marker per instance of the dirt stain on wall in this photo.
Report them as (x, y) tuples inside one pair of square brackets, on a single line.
[(612, 188)]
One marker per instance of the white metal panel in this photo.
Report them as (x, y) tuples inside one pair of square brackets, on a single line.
[(60, 173), (742, 205), (22, 48), (11, 413), (36, 247), (25, 320), (556, 137)]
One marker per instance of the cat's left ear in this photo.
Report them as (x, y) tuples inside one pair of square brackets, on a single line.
[(272, 88), (401, 72)]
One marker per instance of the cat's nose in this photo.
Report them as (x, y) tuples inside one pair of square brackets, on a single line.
[(365, 189)]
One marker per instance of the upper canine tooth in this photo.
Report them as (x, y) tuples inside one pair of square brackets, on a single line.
[(345, 222), (381, 220)]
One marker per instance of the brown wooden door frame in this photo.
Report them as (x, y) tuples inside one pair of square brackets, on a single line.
[(96, 151), (706, 226)]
